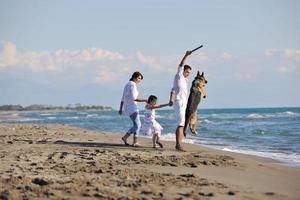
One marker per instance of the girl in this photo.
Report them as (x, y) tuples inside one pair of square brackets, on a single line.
[(150, 125), (129, 99)]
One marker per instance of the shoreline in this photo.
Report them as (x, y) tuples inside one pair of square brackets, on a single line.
[(41, 161), (11, 117), (213, 148), (62, 110)]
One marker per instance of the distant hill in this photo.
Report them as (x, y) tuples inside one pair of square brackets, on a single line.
[(39, 107)]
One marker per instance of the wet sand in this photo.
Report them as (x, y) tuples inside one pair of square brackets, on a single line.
[(63, 162)]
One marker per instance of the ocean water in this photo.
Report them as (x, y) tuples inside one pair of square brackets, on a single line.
[(267, 132)]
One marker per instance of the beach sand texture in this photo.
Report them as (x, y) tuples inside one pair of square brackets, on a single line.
[(63, 162)]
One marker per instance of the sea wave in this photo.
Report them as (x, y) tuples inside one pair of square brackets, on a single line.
[(274, 115), (255, 116), (74, 117), (290, 159), (172, 137), (82, 113), (92, 115), (291, 113), (51, 117), (47, 114), (28, 119)]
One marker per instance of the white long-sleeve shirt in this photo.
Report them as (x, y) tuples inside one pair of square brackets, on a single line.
[(180, 86), (130, 93)]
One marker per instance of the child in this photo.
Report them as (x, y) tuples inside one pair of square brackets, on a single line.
[(150, 125)]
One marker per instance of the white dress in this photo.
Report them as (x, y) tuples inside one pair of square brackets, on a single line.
[(150, 125)]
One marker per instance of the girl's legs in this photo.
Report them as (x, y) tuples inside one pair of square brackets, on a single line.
[(158, 141), (154, 139)]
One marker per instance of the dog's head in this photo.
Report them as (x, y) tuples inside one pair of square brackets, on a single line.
[(199, 80)]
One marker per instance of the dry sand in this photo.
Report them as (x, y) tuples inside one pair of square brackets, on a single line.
[(63, 162)]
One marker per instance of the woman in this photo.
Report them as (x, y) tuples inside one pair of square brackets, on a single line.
[(129, 101)]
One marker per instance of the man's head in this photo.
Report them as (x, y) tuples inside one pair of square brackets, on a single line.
[(186, 70)]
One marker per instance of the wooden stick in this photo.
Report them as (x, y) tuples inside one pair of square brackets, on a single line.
[(196, 48)]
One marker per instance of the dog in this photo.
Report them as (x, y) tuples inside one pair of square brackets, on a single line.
[(196, 92)]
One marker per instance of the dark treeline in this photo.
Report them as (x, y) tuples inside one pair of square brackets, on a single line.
[(39, 107)]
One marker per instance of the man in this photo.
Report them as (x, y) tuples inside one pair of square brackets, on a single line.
[(179, 97)]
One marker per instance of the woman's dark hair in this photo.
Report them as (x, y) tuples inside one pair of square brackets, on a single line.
[(136, 75), (185, 67), (151, 98)]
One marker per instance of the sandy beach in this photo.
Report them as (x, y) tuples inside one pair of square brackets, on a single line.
[(63, 162)]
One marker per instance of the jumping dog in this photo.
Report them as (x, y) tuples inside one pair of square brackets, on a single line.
[(196, 92)]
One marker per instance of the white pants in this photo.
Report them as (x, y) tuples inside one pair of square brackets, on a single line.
[(179, 107)]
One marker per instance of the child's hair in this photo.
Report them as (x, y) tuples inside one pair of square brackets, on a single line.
[(151, 98)]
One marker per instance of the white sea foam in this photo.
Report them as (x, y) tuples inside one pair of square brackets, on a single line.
[(256, 116), (172, 137), (51, 117), (47, 114), (28, 119), (293, 159), (82, 113), (75, 117), (92, 115), (289, 113), (207, 121), (274, 115)]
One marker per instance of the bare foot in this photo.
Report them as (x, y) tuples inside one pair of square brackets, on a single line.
[(179, 148), (160, 144), (136, 144), (125, 141)]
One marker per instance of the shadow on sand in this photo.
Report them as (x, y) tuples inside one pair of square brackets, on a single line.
[(96, 144)]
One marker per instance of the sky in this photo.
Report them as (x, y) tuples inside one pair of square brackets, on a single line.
[(67, 52)]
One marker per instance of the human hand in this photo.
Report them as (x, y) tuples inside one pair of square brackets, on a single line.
[(187, 53), (170, 103)]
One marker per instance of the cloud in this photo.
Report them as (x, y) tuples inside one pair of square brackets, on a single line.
[(288, 60), (226, 56), (156, 64), (8, 54), (100, 66), (53, 61), (106, 74)]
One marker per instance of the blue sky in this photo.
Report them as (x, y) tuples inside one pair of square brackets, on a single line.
[(61, 52)]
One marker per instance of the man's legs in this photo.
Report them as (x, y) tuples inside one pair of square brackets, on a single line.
[(179, 136), (180, 118)]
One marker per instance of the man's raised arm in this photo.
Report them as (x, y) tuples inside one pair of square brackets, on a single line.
[(184, 57)]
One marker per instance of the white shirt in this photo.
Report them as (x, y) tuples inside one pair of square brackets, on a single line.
[(180, 86), (149, 115), (130, 93)]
